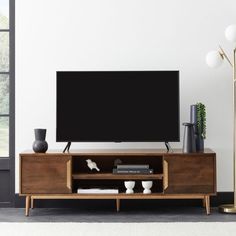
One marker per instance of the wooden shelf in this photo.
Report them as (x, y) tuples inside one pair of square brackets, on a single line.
[(102, 196), (107, 176), (118, 196)]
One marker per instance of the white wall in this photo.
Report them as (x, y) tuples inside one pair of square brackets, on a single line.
[(124, 35)]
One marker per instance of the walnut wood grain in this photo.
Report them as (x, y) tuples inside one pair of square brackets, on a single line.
[(119, 196), (117, 152), (177, 175), (191, 174), (45, 175), (117, 205), (27, 205), (207, 201), (110, 176)]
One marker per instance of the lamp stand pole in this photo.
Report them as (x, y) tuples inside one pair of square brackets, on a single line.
[(231, 208)]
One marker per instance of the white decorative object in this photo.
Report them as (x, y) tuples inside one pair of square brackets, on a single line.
[(92, 165), (129, 186), (97, 191), (230, 33), (214, 59), (147, 187)]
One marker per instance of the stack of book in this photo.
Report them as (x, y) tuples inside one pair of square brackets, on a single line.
[(132, 169)]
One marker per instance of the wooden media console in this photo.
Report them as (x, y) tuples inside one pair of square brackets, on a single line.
[(56, 175)]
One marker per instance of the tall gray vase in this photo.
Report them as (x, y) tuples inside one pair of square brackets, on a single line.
[(40, 145), (198, 138), (193, 117)]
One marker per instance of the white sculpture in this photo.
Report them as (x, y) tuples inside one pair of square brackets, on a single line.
[(129, 186), (147, 187), (92, 165)]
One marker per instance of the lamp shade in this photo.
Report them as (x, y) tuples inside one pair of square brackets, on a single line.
[(214, 59), (230, 33)]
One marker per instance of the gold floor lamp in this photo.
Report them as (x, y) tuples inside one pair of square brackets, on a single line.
[(214, 59)]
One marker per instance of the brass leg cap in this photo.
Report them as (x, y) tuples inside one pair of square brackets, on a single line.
[(228, 208)]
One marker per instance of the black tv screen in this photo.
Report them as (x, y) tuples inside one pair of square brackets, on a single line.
[(118, 106)]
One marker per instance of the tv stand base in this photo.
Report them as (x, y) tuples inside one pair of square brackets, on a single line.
[(168, 147), (67, 147), (29, 200)]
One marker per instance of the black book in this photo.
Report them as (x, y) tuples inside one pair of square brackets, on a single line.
[(122, 167), (133, 171)]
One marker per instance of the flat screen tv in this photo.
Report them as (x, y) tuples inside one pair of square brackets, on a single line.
[(117, 106)]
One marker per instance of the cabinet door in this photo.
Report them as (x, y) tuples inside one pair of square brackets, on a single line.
[(190, 174), (45, 174)]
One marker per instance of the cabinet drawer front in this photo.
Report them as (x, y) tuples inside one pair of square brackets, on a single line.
[(191, 174), (49, 174)]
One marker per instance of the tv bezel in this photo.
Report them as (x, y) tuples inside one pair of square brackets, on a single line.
[(119, 141)]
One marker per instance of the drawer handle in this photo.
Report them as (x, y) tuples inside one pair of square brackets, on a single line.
[(68, 174), (165, 170)]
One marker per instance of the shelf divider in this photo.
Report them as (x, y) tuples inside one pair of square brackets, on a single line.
[(111, 176)]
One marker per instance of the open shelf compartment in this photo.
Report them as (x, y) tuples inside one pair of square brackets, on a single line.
[(115, 184), (107, 163), (83, 177)]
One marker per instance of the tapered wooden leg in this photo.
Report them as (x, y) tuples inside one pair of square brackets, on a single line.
[(207, 200), (117, 205), (204, 202), (27, 205), (32, 203)]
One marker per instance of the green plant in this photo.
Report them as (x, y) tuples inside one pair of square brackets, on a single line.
[(201, 120)]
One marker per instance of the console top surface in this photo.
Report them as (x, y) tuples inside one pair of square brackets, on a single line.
[(113, 152)]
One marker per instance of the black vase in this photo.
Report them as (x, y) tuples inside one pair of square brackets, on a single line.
[(199, 143), (198, 138), (40, 145)]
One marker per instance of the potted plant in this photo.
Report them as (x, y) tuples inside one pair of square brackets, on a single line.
[(198, 117)]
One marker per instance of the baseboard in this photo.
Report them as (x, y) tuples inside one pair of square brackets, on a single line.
[(220, 198)]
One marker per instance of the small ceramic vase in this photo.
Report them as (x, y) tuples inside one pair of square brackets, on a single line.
[(40, 145), (129, 186), (147, 187)]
